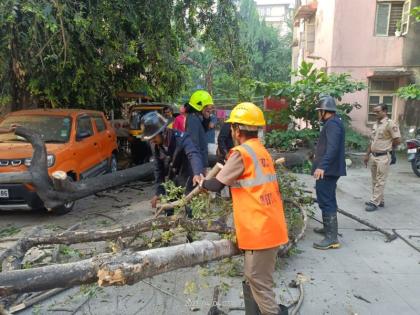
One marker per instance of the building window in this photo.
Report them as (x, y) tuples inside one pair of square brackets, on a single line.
[(381, 91), (405, 19), (388, 16), (310, 35), (264, 11)]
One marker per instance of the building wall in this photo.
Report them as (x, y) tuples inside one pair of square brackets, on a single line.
[(345, 41), (354, 41), (411, 50)]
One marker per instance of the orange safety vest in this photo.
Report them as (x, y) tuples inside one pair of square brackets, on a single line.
[(257, 204)]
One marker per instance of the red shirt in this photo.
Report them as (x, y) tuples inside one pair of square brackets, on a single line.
[(179, 123)]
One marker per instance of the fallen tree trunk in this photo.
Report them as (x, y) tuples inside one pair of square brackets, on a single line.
[(15, 177), (73, 190), (12, 258), (125, 268)]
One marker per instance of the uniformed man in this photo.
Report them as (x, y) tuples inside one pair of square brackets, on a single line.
[(257, 208), (381, 153), (176, 157)]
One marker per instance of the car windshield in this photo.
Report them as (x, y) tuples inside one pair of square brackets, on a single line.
[(53, 129)]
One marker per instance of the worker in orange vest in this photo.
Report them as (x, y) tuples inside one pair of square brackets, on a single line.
[(257, 208)]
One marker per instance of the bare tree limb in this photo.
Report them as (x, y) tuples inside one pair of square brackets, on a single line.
[(115, 269)]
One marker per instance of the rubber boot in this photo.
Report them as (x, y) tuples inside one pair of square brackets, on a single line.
[(331, 229), (251, 307), (322, 229), (284, 310)]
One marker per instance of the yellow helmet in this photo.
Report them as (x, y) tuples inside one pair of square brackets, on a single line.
[(247, 114), (200, 99)]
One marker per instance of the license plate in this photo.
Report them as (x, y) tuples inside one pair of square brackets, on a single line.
[(411, 151), (4, 193)]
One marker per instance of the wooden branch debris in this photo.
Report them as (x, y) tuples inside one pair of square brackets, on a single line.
[(12, 258), (285, 249), (31, 301), (389, 236), (179, 203), (124, 268)]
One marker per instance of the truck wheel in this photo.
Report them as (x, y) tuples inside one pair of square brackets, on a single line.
[(415, 165)]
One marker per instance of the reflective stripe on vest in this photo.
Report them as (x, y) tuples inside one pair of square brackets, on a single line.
[(260, 178)]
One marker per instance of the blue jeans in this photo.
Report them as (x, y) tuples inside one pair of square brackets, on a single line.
[(325, 194)]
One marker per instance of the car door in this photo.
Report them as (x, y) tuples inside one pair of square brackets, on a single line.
[(105, 137), (87, 147)]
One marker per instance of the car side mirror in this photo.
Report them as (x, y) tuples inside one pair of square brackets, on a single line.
[(82, 135)]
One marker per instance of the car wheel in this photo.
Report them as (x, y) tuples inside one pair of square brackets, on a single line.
[(113, 164), (65, 208)]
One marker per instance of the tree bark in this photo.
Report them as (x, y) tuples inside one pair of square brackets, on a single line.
[(12, 258), (15, 177), (73, 190), (115, 269)]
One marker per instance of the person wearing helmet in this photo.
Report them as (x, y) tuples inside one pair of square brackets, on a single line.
[(176, 157), (257, 207), (328, 165), (199, 101)]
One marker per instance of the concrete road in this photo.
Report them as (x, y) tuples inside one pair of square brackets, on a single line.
[(366, 276)]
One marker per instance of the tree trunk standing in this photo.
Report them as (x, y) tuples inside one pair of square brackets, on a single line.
[(14, 85), (209, 78), (21, 98), (116, 269)]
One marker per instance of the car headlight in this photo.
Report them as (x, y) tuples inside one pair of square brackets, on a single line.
[(50, 160)]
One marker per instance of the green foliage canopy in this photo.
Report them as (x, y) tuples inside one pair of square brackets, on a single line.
[(82, 53)]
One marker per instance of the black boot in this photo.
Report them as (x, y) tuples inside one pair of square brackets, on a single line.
[(331, 229), (322, 229), (284, 310), (251, 307)]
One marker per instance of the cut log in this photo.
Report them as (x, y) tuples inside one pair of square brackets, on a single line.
[(71, 191), (12, 258), (115, 269)]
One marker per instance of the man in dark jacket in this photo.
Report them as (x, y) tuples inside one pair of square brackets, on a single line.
[(329, 164), (224, 142), (195, 125), (176, 157)]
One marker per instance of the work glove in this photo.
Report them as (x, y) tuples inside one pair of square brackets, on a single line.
[(393, 158)]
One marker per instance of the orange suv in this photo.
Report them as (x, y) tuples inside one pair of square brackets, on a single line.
[(80, 142)]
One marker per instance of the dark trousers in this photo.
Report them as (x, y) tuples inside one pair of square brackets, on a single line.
[(325, 193)]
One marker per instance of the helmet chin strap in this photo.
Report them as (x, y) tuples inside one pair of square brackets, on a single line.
[(323, 115)]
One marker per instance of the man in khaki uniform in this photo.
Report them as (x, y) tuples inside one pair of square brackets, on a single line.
[(385, 138)]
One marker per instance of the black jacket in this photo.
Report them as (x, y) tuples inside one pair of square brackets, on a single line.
[(329, 154), (194, 127), (224, 140), (177, 156)]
